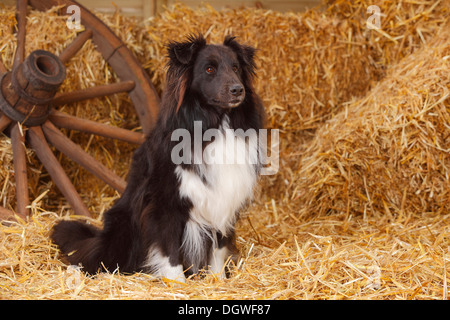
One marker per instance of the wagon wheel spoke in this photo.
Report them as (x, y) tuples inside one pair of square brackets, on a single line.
[(77, 154), (4, 122), (2, 68), (6, 215), (75, 45), (63, 120), (93, 92), (39, 144), (20, 170), (21, 16)]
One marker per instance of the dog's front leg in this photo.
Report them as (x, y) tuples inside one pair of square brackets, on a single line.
[(221, 254), (163, 257), (217, 262), (171, 271), (165, 267)]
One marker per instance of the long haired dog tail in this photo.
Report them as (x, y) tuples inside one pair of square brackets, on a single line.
[(80, 244)]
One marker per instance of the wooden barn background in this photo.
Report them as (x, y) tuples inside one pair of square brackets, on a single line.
[(148, 8)]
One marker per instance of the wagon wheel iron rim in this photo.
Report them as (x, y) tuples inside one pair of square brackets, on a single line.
[(29, 98)]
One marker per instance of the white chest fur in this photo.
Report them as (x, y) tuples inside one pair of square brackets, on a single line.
[(218, 189)]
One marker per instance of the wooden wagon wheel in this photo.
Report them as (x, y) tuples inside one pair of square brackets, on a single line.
[(28, 97)]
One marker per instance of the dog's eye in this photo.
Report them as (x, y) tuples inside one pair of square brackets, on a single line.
[(210, 70), (235, 69)]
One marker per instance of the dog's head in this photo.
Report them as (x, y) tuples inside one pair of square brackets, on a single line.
[(219, 74)]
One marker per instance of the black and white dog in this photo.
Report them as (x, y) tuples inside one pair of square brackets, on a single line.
[(177, 216)]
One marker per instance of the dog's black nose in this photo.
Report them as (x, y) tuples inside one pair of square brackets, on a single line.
[(236, 90)]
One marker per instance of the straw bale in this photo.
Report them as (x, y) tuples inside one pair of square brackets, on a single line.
[(388, 151), (364, 127)]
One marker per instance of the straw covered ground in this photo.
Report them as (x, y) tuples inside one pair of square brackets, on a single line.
[(360, 206)]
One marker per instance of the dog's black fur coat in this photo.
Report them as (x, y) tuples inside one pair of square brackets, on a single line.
[(151, 212)]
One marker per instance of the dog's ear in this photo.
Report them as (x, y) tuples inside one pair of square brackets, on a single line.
[(184, 52), (181, 57), (246, 54)]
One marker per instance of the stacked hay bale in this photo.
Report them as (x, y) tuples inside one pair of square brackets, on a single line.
[(389, 151)]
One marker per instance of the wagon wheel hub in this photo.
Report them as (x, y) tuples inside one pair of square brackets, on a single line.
[(26, 92)]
